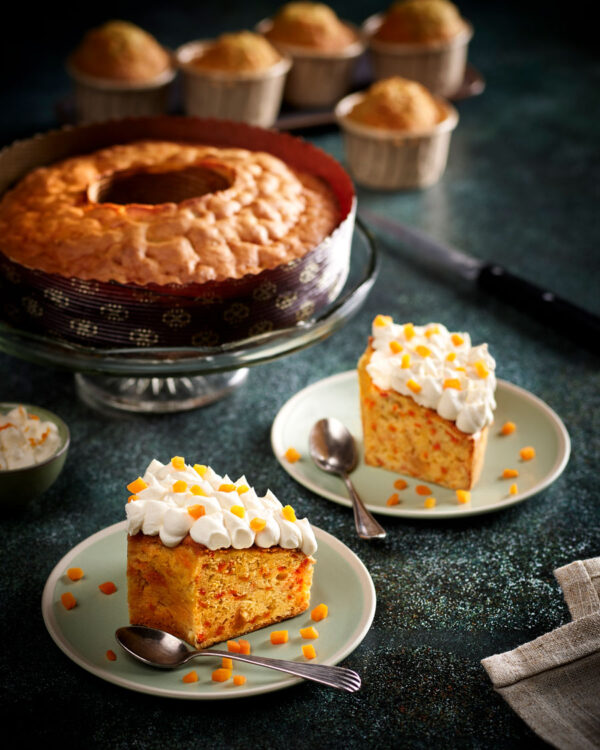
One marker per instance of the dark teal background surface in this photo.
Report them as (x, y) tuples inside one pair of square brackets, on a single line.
[(521, 188)]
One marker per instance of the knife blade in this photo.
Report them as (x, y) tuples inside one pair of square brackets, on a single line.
[(578, 324)]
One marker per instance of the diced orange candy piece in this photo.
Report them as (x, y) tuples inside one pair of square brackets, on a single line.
[(452, 383), (395, 347), (108, 587), (242, 488), (244, 646), (393, 499), (196, 511), (68, 600), (200, 469), (179, 486), (400, 484), (75, 573), (513, 489), (309, 632), (239, 679), (279, 636), (197, 490), (178, 462), (190, 677), (309, 651), (320, 612), (382, 320), (110, 655), (238, 510), (405, 364), (257, 524), (463, 496), (424, 351), (510, 473), (136, 486), (233, 647), (422, 489), (457, 339), (481, 368), (289, 513), (451, 357), (221, 675), (227, 488), (226, 663), (413, 385), (430, 502), (508, 428), (292, 455), (409, 331), (527, 453)]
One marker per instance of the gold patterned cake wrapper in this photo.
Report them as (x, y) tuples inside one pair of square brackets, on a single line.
[(110, 314)]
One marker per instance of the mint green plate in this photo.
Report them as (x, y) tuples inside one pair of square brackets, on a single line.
[(86, 632), (337, 396)]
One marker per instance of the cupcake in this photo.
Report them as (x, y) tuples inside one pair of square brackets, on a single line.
[(239, 76), (423, 40), (397, 134), (119, 70), (324, 51)]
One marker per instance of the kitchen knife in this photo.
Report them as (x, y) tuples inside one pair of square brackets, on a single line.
[(576, 323)]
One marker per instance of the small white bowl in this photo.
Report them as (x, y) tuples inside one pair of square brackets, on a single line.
[(439, 66), (317, 79), (253, 97), (395, 159)]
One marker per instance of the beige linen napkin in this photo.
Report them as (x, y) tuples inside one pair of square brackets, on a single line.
[(553, 682)]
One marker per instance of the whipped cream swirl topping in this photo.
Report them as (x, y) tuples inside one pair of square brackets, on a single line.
[(439, 369), (175, 499), (25, 439)]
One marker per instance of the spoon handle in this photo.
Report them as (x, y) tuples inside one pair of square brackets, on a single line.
[(366, 526), (337, 677)]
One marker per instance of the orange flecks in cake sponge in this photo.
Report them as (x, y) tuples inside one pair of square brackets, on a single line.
[(460, 369), (513, 489), (226, 663), (409, 331), (508, 428), (422, 489), (200, 469), (289, 513), (510, 473), (137, 485), (309, 651), (233, 647), (405, 361), (242, 488), (393, 499), (382, 320), (430, 331), (227, 488), (292, 455), (132, 498), (463, 496), (68, 600), (221, 675), (451, 357), (238, 510), (196, 511), (75, 573), (239, 679), (179, 486), (413, 386), (110, 655), (430, 502), (244, 646), (257, 524), (452, 383), (424, 351), (178, 462), (279, 636), (395, 347), (108, 587), (527, 453), (320, 612), (400, 484), (481, 369), (309, 632), (197, 490), (190, 677), (457, 339)]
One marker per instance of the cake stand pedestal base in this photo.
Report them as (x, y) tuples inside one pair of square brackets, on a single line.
[(157, 395)]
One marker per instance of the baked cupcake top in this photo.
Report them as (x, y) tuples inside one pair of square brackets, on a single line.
[(120, 51), (398, 104), (312, 25), (176, 499), (416, 21), (238, 52)]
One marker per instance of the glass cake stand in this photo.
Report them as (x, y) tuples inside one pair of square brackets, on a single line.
[(166, 379)]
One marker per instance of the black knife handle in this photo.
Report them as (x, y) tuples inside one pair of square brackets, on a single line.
[(575, 322)]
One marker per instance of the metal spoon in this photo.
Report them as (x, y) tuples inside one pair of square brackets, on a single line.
[(163, 650), (333, 450)]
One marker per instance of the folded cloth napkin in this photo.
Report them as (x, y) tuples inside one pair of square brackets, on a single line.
[(553, 682)]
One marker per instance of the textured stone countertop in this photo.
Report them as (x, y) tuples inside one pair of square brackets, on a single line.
[(521, 188)]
